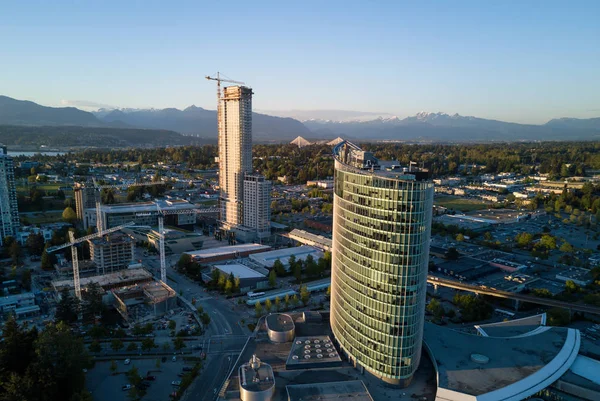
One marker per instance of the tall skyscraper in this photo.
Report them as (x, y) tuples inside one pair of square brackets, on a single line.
[(235, 151), (257, 204), (9, 213), (380, 255)]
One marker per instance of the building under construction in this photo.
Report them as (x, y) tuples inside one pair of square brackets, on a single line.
[(112, 252), (140, 301), (85, 198)]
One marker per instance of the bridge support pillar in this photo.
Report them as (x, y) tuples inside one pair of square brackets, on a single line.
[(435, 288), (517, 304)]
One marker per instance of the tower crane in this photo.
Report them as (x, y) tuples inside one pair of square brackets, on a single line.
[(219, 80), (161, 232), (73, 242), (98, 188)]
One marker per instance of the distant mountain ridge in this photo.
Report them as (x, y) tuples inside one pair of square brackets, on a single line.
[(201, 122), (196, 121)]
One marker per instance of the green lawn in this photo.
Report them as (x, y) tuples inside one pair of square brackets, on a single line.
[(460, 204), (43, 217)]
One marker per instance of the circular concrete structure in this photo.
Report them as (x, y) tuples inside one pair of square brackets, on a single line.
[(256, 380), (280, 327)]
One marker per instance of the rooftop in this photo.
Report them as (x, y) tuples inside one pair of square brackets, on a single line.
[(512, 328), (148, 207), (116, 278), (305, 235), (227, 250), (239, 270), (256, 375), (353, 390), (283, 254), (313, 352), (280, 322)]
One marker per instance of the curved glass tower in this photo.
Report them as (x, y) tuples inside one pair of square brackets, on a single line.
[(381, 231)]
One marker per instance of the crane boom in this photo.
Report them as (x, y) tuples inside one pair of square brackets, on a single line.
[(79, 240), (219, 80)]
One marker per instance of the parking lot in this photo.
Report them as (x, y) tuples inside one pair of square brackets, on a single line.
[(105, 385)]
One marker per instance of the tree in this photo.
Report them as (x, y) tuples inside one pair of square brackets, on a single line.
[(14, 250), (558, 317), (113, 366), (116, 345), (228, 287), (148, 344), (185, 261), (279, 268), (304, 295), (69, 215), (35, 244), (166, 346), (132, 347), (268, 305), (460, 237), (436, 308), (236, 284), (523, 240), (272, 278), (328, 294), (258, 308), (286, 301), (205, 318), (452, 254), (95, 346), (66, 309), (571, 287), (548, 242), (294, 300), (311, 266), (26, 279), (566, 247), (48, 259), (297, 271), (277, 303), (178, 343), (173, 324)]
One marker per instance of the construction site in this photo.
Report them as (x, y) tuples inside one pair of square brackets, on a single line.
[(124, 283)]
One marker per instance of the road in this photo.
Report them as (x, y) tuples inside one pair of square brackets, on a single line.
[(512, 295), (225, 336), (207, 386)]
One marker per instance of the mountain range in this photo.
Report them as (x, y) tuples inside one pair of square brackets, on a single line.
[(201, 123)]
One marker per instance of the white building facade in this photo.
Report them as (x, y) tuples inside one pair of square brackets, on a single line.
[(235, 151), (257, 204), (9, 213)]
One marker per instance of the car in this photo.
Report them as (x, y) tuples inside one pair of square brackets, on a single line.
[(126, 387), (180, 374), (127, 361), (151, 378), (174, 359), (176, 383)]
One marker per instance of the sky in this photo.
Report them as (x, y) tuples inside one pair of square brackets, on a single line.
[(522, 61)]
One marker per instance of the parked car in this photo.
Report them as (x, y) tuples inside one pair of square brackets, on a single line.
[(127, 361), (176, 383), (126, 387), (151, 378)]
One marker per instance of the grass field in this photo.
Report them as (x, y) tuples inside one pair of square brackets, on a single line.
[(43, 217), (459, 204)]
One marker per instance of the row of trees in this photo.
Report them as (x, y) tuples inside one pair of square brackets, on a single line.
[(42, 366), (287, 303)]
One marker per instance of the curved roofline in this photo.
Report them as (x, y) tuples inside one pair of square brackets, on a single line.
[(525, 387)]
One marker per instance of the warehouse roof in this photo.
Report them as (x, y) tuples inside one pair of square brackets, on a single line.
[(239, 270)]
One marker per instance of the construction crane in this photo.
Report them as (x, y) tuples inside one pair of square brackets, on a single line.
[(161, 232), (98, 188), (73, 242), (219, 80)]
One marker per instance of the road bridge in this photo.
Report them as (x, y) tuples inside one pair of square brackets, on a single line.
[(483, 290)]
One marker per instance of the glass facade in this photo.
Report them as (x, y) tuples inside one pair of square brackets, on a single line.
[(380, 255)]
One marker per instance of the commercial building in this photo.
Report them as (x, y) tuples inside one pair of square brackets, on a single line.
[(226, 252), (85, 198), (257, 204), (306, 238), (142, 214), (249, 278), (381, 234), (26, 231), (112, 252), (267, 259), (235, 151), (21, 305), (9, 213)]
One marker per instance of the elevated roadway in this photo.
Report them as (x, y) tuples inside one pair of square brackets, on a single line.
[(438, 281)]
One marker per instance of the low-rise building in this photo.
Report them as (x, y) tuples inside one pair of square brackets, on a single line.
[(267, 259), (579, 276)]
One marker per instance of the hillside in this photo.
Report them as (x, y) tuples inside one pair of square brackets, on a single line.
[(70, 136), (22, 112)]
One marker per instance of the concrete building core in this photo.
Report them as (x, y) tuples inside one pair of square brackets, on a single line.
[(257, 204), (112, 252), (235, 150), (380, 255)]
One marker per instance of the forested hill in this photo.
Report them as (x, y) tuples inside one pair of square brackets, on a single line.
[(72, 136)]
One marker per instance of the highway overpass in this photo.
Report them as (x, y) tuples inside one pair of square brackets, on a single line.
[(435, 280)]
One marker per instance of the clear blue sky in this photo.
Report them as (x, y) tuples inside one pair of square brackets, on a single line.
[(524, 61)]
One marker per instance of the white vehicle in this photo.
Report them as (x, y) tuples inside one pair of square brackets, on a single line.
[(176, 383), (174, 359), (255, 294), (127, 361)]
